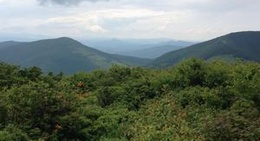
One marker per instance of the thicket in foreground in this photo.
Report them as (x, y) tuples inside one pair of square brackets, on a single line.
[(195, 100)]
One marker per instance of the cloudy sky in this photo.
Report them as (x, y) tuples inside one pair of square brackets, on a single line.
[(193, 20)]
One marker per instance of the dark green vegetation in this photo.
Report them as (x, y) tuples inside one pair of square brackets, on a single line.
[(243, 45), (195, 100), (62, 54)]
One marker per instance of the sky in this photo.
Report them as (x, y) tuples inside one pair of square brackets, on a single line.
[(191, 20)]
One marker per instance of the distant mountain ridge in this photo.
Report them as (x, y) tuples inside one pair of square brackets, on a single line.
[(153, 52), (244, 45), (141, 48), (70, 56), (8, 44), (62, 54)]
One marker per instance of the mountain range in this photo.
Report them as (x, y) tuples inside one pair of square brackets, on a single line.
[(62, 54), (141, 48), (70, 56)]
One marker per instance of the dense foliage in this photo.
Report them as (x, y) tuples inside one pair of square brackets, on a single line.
[(195, 100)]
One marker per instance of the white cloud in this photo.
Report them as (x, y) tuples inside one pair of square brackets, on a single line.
[(180, 19), (96, 28)]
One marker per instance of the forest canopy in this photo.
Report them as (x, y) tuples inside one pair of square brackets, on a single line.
[(194, 100)]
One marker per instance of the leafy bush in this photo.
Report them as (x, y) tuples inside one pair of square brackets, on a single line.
[(195, 100)]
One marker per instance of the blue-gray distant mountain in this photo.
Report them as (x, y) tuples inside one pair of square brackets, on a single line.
[(243, 45), (142, 48), (62, 54), (8, 44), (153, 52)]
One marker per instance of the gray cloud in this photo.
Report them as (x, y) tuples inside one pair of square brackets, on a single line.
[(66, 2)]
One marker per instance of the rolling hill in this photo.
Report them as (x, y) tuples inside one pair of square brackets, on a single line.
[(243, 45), (61, 54)]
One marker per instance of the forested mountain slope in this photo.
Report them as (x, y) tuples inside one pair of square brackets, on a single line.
[(243, 45), (62, 54)]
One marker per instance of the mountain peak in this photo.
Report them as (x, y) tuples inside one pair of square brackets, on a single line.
[(64, 38), (58, 42), (62, 54)]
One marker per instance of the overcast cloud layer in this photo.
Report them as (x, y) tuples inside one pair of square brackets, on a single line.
[(194, 20), (66, 2)]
